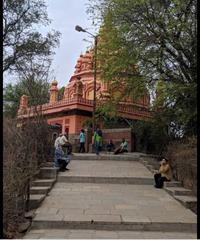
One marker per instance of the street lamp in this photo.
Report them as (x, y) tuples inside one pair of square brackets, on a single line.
[(80, 29)]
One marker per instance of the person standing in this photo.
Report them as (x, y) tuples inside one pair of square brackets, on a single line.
[(82, 141), (101, 139), (97, 140)]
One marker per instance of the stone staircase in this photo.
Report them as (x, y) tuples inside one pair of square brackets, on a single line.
[(41, 186), (175, 188), (110, 197)]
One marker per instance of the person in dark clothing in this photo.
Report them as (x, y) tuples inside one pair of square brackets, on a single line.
[(110, 146), (61, 160)]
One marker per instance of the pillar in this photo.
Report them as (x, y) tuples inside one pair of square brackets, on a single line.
[(53, 92)]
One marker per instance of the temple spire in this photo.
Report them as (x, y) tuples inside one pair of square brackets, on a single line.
[(53, 92)]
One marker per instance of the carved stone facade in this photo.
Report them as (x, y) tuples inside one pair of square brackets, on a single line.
[(77, 104)]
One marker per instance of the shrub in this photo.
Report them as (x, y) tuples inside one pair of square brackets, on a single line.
[(25, 148)]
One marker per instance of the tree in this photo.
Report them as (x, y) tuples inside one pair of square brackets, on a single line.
[(27, 53), (36, 90), (160, 38), (61, 93), (21, 42)]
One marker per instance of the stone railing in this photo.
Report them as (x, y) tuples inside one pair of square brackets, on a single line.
[(123, 108), (64, 102)]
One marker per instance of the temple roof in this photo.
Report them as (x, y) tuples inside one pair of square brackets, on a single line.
[(84, 62)]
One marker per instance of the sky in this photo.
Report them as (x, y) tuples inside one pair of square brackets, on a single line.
[(65, 15)]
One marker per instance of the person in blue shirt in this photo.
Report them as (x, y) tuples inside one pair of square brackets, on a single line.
[(82, 141), (61, 160)]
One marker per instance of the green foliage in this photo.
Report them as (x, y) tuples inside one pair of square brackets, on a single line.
[(27, 53), (118, 63), (21, 41), (61, 93), (160, 37), (36, 90)]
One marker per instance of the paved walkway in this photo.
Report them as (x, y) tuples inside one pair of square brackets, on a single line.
[(104, 210), (110, 168)]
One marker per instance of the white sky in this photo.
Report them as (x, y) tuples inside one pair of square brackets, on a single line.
[(65, 15)]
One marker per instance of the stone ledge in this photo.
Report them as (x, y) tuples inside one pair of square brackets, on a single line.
[(100, 225), (178, 191), (113, 180)]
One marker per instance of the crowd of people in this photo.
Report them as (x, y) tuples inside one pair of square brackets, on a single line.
[(63, 147), (63, 151)]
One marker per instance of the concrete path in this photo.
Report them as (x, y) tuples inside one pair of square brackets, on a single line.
[(87, 208)]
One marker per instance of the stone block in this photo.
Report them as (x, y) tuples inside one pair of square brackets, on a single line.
[(172, 184), (43, 182), (40, 190)]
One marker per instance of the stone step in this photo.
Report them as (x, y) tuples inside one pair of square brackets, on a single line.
[(43, 183), (188, 201), (40, 190), (113, 207), (173, 184), (112, 180), (35, 200), (48, 172), (145, 162), (39, 223), (99, 234), (121, 157), (178, 191), (150, 168)]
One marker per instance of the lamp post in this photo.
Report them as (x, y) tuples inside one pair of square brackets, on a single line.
[(80, 29)]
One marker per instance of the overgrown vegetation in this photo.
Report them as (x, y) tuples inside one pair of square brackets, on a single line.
[(183, 159), (36, 88), (27, 56), (151, 45), (24, 150), (21, 41), (27, 53)]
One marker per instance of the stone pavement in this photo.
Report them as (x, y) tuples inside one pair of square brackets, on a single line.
[(81, 205)]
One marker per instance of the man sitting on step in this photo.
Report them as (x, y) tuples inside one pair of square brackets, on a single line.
[(164, 173), (123, 147), (61, 159)]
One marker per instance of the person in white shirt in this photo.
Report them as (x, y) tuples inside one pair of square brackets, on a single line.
[(57, 141), (63, 139)]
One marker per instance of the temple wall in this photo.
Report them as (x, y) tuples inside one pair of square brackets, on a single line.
[(72, 124), (116, 135)]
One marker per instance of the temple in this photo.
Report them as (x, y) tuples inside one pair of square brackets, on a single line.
[(77, 104)]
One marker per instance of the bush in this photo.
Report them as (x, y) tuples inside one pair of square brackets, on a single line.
[(24, 150), (183, 159)]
